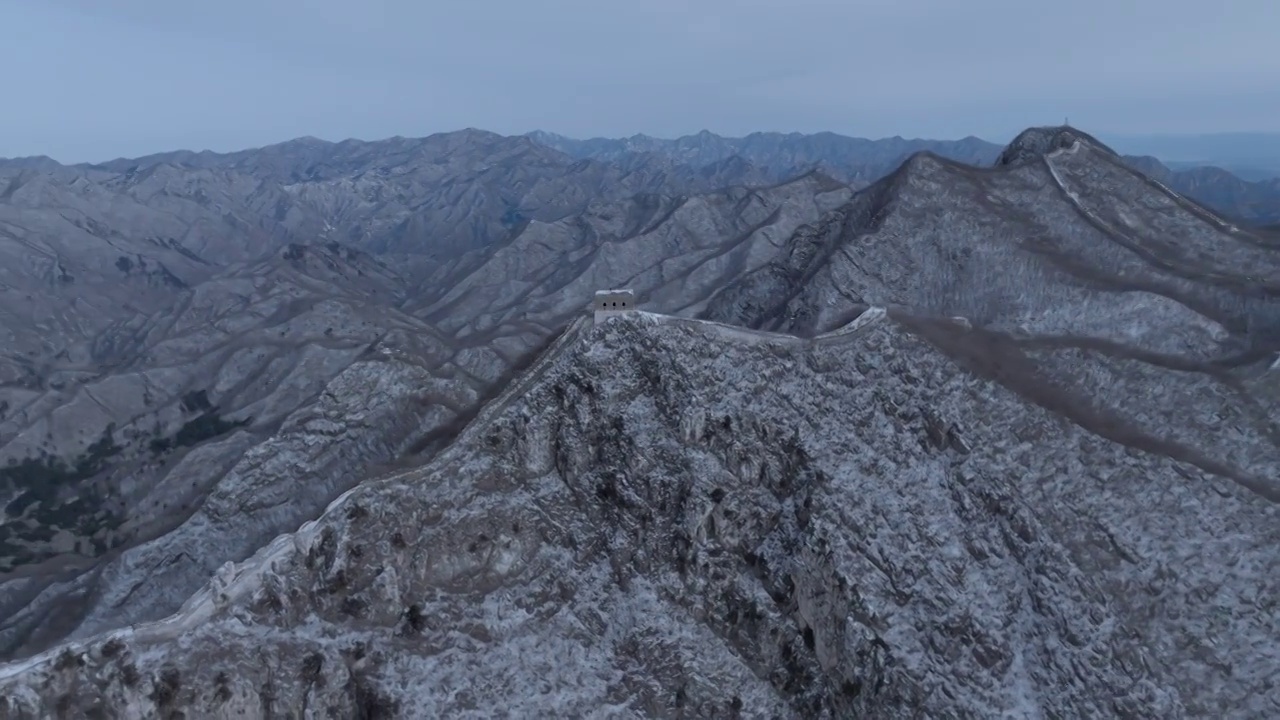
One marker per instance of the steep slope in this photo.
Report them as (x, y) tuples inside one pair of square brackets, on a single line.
[(76, 257), (671, 520), (673, 250), (1060, 238), (123, 491), (245, 362), (87, 247), (439, 195), (1096, 293)]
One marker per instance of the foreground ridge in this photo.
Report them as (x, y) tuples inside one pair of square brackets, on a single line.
[(681, 516)]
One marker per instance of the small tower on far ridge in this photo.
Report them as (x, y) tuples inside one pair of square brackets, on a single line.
[(609, 303)]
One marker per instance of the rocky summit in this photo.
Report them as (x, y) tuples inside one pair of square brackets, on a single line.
[(961, 441)]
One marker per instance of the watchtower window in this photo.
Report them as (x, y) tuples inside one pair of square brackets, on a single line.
[(613, 302)]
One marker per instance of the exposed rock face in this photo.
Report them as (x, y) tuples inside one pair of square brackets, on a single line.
[(689, 519)]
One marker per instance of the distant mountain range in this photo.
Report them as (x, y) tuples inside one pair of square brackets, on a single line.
[(859, 162), (1251, 156)]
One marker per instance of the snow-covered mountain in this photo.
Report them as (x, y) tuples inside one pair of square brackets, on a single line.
[(971, 440)]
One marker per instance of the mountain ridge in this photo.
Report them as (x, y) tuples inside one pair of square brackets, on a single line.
[(1060, 332), (279, 320), (888, 668), (860, 162)]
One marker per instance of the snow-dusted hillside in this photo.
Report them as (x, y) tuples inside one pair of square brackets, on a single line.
[(671, 519)]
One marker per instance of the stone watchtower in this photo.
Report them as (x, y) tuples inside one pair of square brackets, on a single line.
[(613, 302)]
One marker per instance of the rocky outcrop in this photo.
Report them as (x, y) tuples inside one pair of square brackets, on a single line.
[(679, 520)]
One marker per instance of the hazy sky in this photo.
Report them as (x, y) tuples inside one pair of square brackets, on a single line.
[(97, 79)]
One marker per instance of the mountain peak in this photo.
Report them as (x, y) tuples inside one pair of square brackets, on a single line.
[(1034, 143), (33, 162), (547, 138)]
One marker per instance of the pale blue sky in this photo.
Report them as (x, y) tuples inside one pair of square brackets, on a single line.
[(89, 80)]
